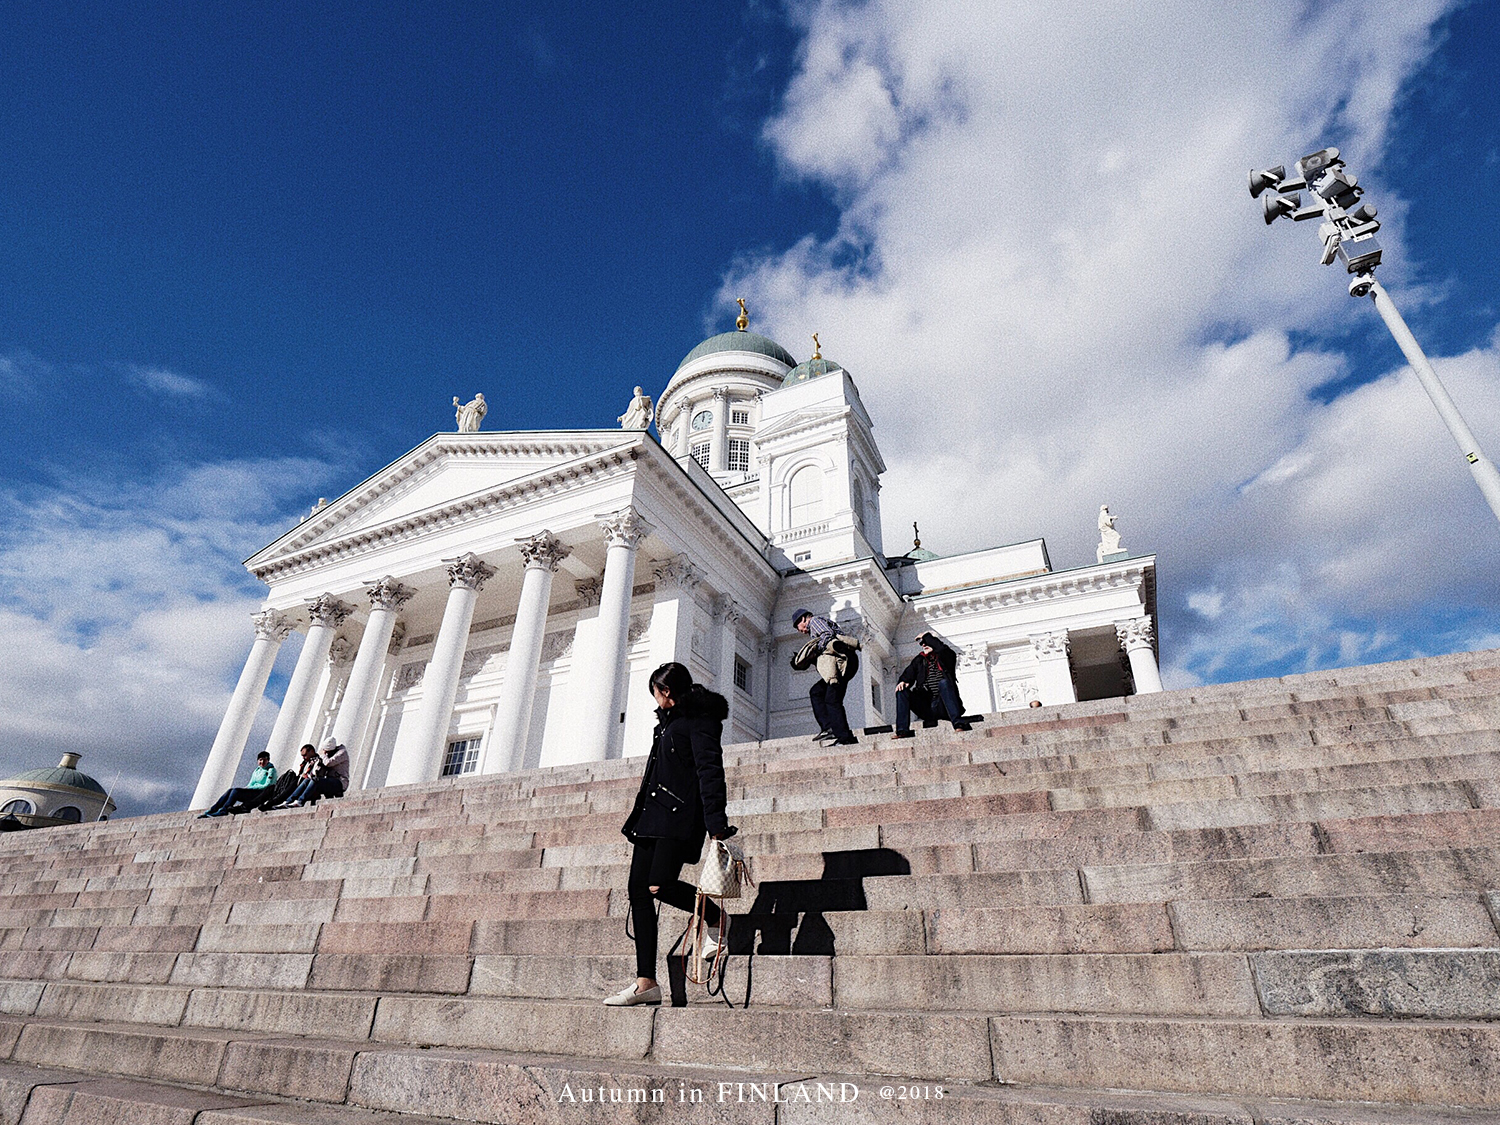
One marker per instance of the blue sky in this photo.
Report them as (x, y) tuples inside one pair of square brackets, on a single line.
[(252, 253)]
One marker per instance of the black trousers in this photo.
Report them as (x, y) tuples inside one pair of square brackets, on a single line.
[(828, 708), (658, 863), (921, 702)]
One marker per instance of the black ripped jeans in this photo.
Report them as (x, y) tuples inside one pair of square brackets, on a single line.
[(658, 863)]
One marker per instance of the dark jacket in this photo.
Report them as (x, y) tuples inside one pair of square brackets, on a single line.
[(683, 791), (915, 675)]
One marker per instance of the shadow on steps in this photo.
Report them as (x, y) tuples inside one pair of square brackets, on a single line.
[(787, 917)]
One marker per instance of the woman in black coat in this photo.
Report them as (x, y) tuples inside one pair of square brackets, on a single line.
[(682, 797)]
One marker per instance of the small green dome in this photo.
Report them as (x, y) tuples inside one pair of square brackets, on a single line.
[(810, 370), (739, 342), (57, 775)]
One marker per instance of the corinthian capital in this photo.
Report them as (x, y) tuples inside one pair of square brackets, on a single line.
[(272, 625), (676, 572), (468, 571), (625, 528), (326, 609), (1050, 646), (389, 594), (542, 551), (725, 608), (1137, 633), (589, 591)]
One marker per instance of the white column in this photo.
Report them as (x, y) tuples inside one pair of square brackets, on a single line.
[(419, 753), (325, 614), (1136, 638), (329, 694), (351, 726), (685, 435), (507, 746), (729, 616), (1054, 673), (599, 710), (719, 455), (271, 628)]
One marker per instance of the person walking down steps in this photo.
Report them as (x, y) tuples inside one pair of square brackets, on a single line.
[(835, 655), (929, 688), (682, 796)]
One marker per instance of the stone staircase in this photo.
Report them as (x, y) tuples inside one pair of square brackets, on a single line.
[(1262, 902)]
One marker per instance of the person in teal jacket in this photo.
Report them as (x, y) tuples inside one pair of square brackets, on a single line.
[(261, 780)]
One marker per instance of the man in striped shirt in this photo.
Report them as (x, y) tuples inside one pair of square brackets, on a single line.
[(827, 698)]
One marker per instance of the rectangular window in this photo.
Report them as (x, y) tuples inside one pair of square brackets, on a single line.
[(739, 455), (700, 454), (802, 556), (463, 757), (740, 417), (875, 695), (741, 674)]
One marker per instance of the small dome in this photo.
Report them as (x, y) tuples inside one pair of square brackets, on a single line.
[(922, 554), (738, 341), (810, 370), (62, 774)]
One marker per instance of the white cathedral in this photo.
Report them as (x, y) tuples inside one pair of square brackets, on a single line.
[(495, 601)]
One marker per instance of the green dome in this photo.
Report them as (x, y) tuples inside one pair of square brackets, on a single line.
[(57, 775), (739, 342), (922, 554), (810, 370)]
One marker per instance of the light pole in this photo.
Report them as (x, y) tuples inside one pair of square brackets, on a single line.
[(1348, 235)]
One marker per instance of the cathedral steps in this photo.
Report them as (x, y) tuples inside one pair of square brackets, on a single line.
[(1284, 889)]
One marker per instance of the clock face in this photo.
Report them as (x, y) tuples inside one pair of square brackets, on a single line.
[(703, 419)]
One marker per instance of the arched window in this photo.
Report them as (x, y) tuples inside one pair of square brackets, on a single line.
[(805, 496), (857, 502), (70, 813), (19, 807)]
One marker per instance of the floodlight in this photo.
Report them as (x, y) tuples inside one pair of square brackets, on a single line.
[(1279, 205), (1359, 255), (1268, 177), (1364, 213), (1310, 165)]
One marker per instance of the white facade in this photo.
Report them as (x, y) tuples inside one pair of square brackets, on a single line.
[(495, 601)]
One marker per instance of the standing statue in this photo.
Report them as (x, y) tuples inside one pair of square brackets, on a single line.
[(1109, 538), (639, 413), (470, 414)]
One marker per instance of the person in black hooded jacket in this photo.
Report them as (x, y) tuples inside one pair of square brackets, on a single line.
[(929, 687), (682, 797)]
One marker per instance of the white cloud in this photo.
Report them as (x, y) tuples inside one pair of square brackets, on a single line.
[(132, 609), (159, 380), (1046, 206), (20, 372)]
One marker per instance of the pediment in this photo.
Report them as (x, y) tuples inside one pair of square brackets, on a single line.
[(792, 423), (445, 470)]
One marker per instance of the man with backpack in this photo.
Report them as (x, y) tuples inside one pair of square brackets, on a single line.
[(835, 655)]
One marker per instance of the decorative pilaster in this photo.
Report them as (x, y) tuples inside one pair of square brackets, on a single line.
[(325, 614), (1138, 639), (599, 708), (419, 752), (271, 628), (507, 747), (351, 725), (728, 616), (1054, 677)]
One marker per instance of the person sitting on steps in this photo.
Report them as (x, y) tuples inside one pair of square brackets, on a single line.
[(929, 688), (262, 779), (682, 796), (837, 661), (288, 781), (329, 779)]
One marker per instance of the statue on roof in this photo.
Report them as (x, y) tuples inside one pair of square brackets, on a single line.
[(1109, 538), (639, 413), (470, 413)]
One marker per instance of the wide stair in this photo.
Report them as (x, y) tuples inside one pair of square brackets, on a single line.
[(1262, 902)]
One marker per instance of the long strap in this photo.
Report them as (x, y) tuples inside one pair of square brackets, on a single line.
[(698, 939)]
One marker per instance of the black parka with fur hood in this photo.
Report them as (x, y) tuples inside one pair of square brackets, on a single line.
[(683, 792)]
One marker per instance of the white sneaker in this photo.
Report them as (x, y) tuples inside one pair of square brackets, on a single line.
[(628, 997), (711, 943)]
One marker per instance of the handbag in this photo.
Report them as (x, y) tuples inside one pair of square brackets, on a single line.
[(723, 876)]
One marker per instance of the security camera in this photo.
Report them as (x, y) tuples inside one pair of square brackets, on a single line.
[(1361, 284)]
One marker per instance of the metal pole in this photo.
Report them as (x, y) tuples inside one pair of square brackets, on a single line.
[(1481, 466)]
